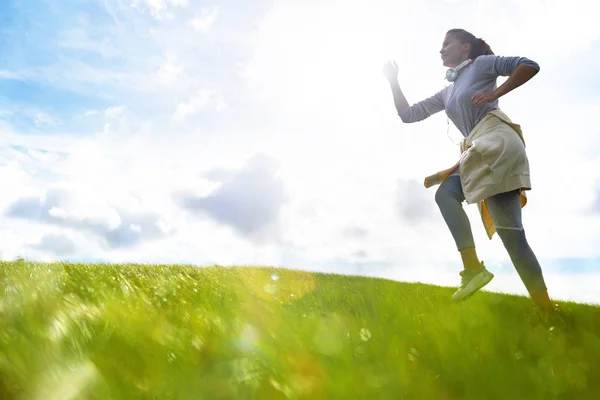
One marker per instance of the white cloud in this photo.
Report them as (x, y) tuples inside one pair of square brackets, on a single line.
[(58, 213), (170, 70), (57, 244), (552, 19), (135, 228), (113, 112), (159, 9), (4, 74), (206, 20), (41, 119), (199, 101), (249, 200)]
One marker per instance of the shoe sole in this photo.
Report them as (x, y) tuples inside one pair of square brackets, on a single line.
[(479, 281)]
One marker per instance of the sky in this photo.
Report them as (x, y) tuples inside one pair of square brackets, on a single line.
[(263, 133)]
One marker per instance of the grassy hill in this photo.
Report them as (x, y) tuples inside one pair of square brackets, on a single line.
[(75, 331)]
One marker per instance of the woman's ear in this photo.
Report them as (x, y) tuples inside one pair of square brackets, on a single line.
[(467, 48)]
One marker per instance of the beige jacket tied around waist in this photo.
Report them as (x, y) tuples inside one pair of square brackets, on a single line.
[(493, 160)]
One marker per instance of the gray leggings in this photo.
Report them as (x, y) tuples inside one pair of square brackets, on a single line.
[(505, 211)]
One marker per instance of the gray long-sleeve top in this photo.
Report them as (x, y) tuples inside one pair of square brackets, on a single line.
[(479, 76)]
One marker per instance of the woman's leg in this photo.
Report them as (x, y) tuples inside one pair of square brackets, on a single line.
[(505, 211), (449, 198)]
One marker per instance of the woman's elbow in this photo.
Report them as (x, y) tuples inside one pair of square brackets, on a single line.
[(531, 64), (404, 117)]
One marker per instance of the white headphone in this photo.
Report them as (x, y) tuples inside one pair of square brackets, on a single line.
[(452, 73)]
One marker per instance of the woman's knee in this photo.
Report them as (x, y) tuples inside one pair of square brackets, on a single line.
[(514, 240), (441, 196)]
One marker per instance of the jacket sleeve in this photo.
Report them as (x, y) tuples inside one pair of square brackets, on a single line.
[(424, 109), (504, 66)]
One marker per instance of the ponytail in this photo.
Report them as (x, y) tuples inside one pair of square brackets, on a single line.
[(480, 48)]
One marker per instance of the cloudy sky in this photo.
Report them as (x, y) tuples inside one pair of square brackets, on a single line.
[(263, 133)]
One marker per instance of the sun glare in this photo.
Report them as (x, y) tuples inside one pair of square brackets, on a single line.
[(332, 63)]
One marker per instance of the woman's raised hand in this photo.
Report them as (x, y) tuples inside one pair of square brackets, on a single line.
[(390, 70)]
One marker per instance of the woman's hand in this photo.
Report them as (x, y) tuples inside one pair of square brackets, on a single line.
[(390, 71), (481, 98)]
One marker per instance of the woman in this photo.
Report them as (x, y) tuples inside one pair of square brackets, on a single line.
[(493, 171)]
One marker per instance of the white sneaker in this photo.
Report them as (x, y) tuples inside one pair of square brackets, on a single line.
[(472, 281)]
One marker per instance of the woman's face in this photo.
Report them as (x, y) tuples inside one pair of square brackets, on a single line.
[(453, 52)]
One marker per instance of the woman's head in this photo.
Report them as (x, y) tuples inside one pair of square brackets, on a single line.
[(460, 45)]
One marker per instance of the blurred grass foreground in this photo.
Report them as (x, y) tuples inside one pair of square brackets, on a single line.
[(77, 331)]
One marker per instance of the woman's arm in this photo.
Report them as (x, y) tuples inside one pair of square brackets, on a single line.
[(390, 71), (416, 112), (518, 69), (520, 75), (399, 100)]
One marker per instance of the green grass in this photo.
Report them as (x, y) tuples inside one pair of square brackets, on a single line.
[(76, 331)]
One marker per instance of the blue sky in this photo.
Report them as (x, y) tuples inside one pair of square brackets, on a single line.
[(230, 132)]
